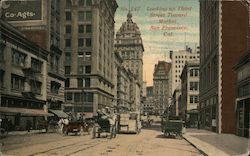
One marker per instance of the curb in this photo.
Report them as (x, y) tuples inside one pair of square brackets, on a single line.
[(201, 151)]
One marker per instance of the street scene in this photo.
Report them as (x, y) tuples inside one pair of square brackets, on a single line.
[(124, 77), (148, 142)]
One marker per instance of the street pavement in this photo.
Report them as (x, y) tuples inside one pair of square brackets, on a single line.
[(150, 142), (215, 144)]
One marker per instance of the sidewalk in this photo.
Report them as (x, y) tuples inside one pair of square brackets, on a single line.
[(214, 144), (13, 133)]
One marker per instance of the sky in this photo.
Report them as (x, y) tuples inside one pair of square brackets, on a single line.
[(164, 24)]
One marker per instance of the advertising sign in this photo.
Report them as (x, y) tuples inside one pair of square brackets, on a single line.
[(22, 10)]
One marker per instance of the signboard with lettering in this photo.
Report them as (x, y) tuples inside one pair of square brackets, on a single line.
[(22, 10)]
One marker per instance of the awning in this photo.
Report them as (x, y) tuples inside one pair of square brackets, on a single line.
[(24, 111), (59, 113)]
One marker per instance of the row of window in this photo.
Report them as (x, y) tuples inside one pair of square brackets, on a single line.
[(82, 16), (193, 99), (80, 3), (6, 102), (81, 28), (79, 97), (82, 42)]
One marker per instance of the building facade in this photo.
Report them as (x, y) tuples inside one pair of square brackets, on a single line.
[(45, 30), (242, 102), (190, 93), (160, 86), (148, 105), (23, 79), (128, 43), (88, 28), (178, 60), (224, 26)]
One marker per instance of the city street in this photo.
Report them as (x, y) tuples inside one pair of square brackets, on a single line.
[(150, 142)]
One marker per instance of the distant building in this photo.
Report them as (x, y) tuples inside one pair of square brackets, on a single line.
[(224, 29), (190, 93), (88, 31), (23, 79), (178, 60), (148, 105), (161, 85), (128, 43), (242, 69)]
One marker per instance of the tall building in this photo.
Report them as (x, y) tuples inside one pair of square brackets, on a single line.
[(148, 105), (179, 59), (161, 85), (43, 26), (190, 93), (224, 29), (128, 43), (88, 28), (23, 79)]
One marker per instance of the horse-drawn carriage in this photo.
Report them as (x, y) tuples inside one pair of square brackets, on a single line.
[(172, 126), (104, 124)]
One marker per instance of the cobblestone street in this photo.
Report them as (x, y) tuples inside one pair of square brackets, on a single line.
[(147, 143)]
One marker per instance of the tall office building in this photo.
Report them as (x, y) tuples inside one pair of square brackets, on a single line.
[(160, 86), (89, 55), (128, 44), (224, 29), (43, 26), (179, 59)]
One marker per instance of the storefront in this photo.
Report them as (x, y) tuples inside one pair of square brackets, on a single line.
[(242, 108)]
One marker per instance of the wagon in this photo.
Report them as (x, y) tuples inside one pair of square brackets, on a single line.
[(103, 125), (73, 127), (173, 127)]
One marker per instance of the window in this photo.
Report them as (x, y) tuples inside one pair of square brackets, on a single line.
[(88, 15), (67, 83), (194, 86), (88, 97), (68, 29), (36, 87), (87, 82), (68, 16), (87, 69), (36, 65), (80, 69), (17, 82), (81, 2), (81, 15), (77, 97), (2, 46), (79, 82), (68, 42), (88, 28), (69, 97), (194, 99), (1, 79), (80, 42), (18, 58), (54, 87), (68, 3), (88, 42), (81, 29), (88, 2), (68, 57), (67, 70), (54, 62)]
